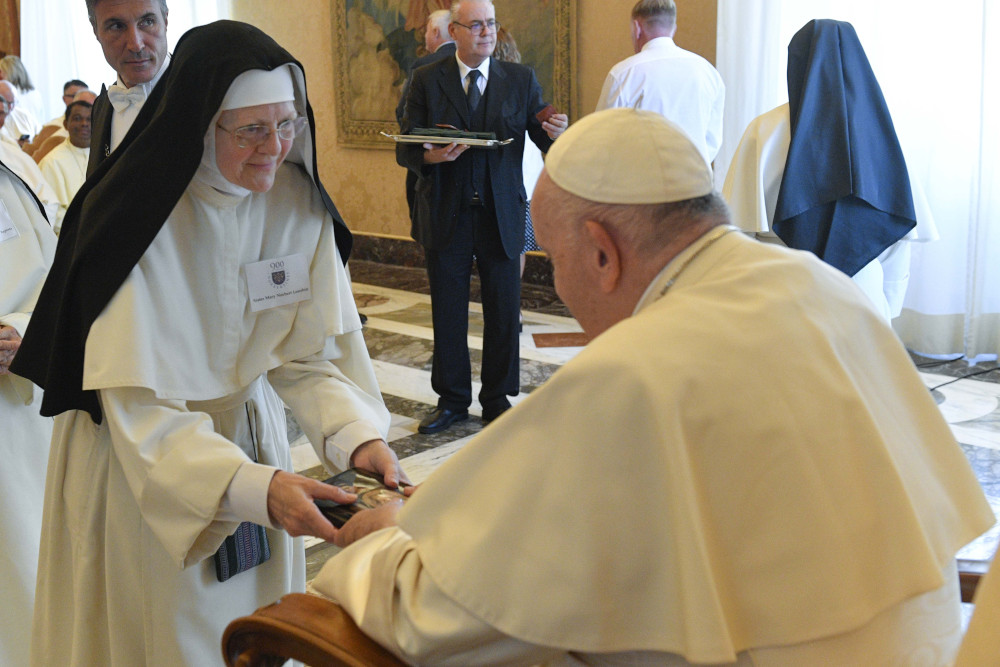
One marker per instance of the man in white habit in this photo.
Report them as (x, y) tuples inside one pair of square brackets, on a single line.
[(133, 36), (680, 523), (665, 78), (166, 345), (21, 163), (27, 246), (65, 166)]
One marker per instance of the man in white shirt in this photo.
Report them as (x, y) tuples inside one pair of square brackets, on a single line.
[(65, 167), (665, 78), (683, 491), (133, 36)]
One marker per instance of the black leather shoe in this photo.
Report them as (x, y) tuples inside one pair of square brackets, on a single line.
[(489, 414), (441, 418)]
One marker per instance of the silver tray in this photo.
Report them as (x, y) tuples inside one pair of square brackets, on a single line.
[(433, 139)]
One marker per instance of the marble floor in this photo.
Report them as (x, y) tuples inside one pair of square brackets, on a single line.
[(398, 333)]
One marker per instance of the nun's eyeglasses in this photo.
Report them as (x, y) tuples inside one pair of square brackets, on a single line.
[(252, 136)]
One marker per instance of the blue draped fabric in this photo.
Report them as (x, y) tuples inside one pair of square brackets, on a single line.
[(845, 193)]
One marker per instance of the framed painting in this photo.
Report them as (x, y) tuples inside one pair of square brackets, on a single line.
[(377, 41)]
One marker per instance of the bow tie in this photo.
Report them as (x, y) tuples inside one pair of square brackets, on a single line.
[(122, 98)]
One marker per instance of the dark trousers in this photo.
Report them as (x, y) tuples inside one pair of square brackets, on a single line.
[(449, 271)]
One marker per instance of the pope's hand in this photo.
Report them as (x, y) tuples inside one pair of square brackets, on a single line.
[(368, 521)]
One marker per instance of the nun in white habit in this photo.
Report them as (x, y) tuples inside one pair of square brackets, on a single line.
[(27, 245), (226, 290)]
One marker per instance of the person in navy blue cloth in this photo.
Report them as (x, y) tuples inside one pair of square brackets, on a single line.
[(826, 172)]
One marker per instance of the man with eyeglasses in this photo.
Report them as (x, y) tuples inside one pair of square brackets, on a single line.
[(470, 203), (133, 36)]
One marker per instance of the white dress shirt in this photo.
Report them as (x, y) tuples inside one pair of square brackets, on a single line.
[(679, 84)]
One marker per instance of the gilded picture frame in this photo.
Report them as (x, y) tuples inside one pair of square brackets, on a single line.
[(376, 41)]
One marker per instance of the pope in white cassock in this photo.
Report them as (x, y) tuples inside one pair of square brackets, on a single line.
[(164, 341), (742, 467), (65, 166), (27, 245)]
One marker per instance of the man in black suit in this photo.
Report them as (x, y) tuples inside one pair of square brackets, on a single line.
[(133, 36), (439, 45), (470, 203)]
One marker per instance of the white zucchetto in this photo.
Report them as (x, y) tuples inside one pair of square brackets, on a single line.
[(628, 156)]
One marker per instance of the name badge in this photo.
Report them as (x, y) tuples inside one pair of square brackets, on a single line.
[(8, 232), (278, 282)]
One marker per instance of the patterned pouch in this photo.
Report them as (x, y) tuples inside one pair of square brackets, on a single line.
[(246, 548)]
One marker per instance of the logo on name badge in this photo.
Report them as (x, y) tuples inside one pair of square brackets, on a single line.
[(278, 276)]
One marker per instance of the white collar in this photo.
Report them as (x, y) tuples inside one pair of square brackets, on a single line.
[(658, 43), (463, 69)]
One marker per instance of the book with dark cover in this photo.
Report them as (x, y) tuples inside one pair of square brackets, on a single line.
[(371, 493), (451, 132)]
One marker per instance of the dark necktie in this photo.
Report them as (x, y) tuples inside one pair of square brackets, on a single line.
[(473, 94)]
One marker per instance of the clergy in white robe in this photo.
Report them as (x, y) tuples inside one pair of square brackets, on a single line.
[(65, 166), (21, 164), (21, 120), (27, 246), (226, 293), (742, 466)]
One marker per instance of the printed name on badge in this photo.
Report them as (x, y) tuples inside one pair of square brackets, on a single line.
[(278, 282), (8, 232)]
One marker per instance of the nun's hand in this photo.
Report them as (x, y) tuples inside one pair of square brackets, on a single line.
[(376, 457), (290, 504), (10, 341)]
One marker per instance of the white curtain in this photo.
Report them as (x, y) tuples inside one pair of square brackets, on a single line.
[(939, 68), (58, 43)]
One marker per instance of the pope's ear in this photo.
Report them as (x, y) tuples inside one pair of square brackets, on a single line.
[(604, 255)]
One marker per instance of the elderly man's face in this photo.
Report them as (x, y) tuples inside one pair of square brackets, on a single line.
[(78, 126), (6, 100), (473, 46), (252, 167), (133, 35), (561, 242)]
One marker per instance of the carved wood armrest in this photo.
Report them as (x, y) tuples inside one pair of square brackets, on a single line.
[(302, 627)]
